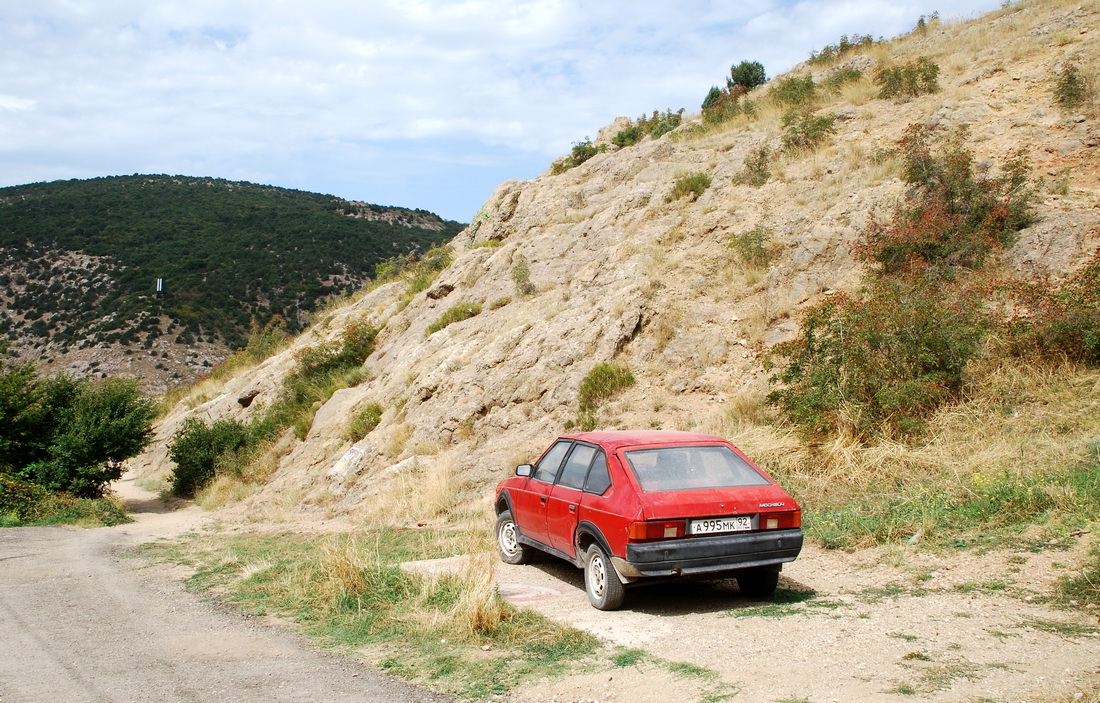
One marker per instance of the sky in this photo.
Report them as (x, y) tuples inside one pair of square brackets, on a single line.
[(425, 104)]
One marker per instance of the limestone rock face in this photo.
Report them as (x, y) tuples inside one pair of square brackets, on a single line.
[(620, 272)]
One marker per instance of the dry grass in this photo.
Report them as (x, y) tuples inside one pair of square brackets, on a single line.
[(428, 493), (1021, 418)]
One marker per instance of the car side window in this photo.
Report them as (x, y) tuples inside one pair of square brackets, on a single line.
[(548, 466), (599, 480), (576, 466)]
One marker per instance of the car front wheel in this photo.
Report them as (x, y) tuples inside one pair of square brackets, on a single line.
[(759, 582), (605, 591), (511, 550)]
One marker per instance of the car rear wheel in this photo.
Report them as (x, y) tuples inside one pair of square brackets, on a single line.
[(759, 582), (511, 550), (605, 590)]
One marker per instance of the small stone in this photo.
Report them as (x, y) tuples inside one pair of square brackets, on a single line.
[(1078, 118)]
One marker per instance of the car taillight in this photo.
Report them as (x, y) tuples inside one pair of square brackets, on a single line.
[(656, 529), (781, 521)]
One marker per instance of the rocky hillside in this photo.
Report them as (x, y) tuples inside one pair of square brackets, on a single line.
[(602, 263)]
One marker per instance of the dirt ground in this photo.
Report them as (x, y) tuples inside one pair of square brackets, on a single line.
[(881, 624)]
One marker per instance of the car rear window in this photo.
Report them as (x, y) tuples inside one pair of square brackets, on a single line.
[(687, 468)]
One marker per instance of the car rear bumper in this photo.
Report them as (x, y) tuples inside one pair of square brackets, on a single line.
[(707, 555)]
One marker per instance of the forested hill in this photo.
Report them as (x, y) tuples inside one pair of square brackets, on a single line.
[(80, 259)]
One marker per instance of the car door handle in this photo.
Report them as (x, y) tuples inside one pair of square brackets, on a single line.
[(572, 508), (542, 499)]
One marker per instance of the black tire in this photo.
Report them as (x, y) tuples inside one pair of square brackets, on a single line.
[(601, 581), (511, 550), (759, 582)]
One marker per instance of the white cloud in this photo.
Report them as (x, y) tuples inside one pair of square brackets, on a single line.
[(279, 89)]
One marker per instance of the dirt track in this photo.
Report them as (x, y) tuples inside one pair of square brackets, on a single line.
[(78, 622)]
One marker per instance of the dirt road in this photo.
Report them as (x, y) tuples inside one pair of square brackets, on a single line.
[(79, 622)]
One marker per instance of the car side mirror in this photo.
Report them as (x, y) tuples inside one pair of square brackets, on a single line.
[(525, 470)]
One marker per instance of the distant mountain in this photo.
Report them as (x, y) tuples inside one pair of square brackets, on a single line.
[(80, 260)]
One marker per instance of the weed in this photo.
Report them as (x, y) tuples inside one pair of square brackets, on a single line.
[(690, 184), (457, 313), (910, 79), (1072, 88), (757, 169), (655, 126), (1083, 589), (917, 656), (794, 91), (753, 248), (804, 130), (846, 45), (582, 151), (838, 79), (521, 276), (627, 657), (783, 603), (363, 421)]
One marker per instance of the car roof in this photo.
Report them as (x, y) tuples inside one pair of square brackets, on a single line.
[(613, 440)]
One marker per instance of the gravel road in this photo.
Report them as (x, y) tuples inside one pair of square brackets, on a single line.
[(79, 622)]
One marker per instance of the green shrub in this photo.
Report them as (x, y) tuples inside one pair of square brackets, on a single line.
[(628, 137), (953, 218), (106, 422), (582, 151), (879, 363), (655, 126), (62, 433), (909, 79), (690, 184), (521, 276), (846, 45), (757, 169), (363, 422), (198, 449), (796, 90), (1072, 88), (20, 501), (753, 248), (1055, 319), (725, 107), (805, 130), (458, 313), (745, 76), (837, 79), (602, 383)]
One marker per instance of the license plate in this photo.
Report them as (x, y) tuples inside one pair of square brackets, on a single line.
[(738, 523)]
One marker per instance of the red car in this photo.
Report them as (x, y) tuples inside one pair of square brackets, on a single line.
[(633, 507)]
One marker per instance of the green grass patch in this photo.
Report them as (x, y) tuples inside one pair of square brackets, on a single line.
[(1083, 589), (981, 510), (346, 592), (627, 657), (458, 313), (784, 602)]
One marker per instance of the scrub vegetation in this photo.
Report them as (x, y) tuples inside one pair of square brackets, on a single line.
[(450, 631)]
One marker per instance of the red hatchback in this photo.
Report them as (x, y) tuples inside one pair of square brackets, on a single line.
[(631, 507)]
